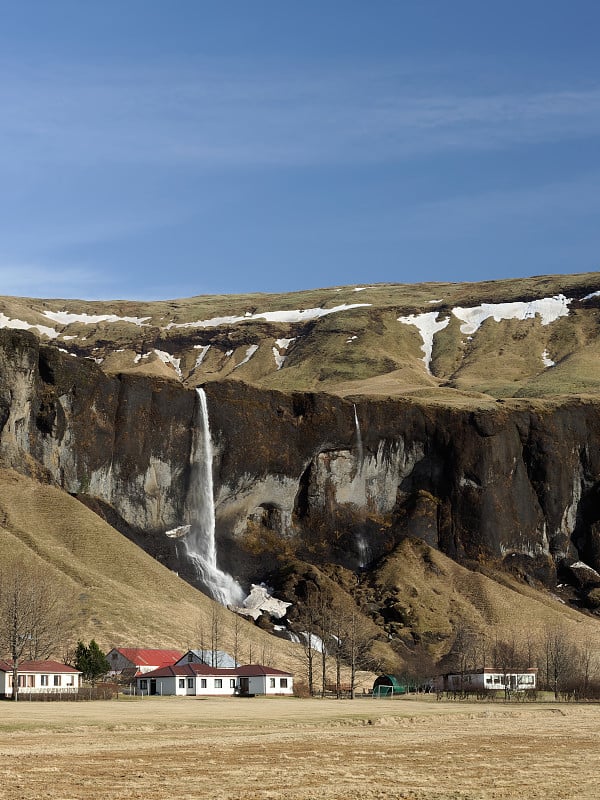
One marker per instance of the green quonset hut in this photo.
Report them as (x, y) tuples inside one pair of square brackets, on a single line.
[(387, 685)]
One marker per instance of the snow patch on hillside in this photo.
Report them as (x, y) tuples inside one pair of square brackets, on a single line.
[(280, 349), (167, 358), (590, 296), (66, 318), (249, 353), (548, 308), (269, 316), (428, 326), (547, 360), (204, 348), (18, 324)]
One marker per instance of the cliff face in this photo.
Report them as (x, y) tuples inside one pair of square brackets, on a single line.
[(515, 483), (122, 440)]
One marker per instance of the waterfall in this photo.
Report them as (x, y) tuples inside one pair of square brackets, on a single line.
[(363, 550), (359, 444), (200, 542)]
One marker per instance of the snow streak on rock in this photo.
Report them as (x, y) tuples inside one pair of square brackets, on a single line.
[(203, 348), (167, 358), (249, 353), (428, 326), (281, 345)]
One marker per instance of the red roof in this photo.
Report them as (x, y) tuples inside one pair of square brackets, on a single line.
[(144, 657), (38, 666)]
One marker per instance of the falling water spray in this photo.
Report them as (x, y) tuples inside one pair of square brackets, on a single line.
[(200, 541)]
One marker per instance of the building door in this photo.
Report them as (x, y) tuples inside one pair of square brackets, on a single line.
[(152, 685), (244, 685)]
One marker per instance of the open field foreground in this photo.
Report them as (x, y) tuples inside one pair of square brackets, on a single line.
[(293, 749)]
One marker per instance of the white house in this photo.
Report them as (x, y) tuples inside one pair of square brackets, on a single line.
[(487, 678), (194, 679), (132, 661), (39, 677), (258, 679)]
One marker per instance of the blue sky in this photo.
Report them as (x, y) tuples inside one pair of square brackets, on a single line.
[(166, 149)]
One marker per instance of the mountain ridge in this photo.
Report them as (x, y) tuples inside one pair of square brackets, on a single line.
[(336, 430)]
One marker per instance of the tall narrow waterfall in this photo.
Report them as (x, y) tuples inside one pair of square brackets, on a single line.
[(200, 542), (359, 444)]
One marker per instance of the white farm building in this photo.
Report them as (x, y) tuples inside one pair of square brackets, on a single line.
[(194, 679), (39, 677), (487, 678)]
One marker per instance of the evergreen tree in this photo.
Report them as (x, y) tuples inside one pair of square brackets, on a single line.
[(91, 661)]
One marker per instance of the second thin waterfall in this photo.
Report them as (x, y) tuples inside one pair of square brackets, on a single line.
[(200, 542), (359, 444)]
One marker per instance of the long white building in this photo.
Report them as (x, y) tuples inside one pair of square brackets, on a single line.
[(194, 679)]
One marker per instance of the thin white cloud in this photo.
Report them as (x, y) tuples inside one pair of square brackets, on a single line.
[(215, 116)]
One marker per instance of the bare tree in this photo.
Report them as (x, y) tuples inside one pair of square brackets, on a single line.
[(586, 667), (215, 635), (510, 658), (307, 621), (558, 657), (237, 625), (466, 651), (35, 618), (357, 645)]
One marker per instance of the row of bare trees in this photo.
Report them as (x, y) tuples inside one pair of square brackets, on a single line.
[(213, 634), (565, 665), (336, 639)]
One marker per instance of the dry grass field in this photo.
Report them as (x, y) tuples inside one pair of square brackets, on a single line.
[(290, 749)]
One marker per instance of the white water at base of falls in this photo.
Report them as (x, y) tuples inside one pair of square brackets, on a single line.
[(200, 542)]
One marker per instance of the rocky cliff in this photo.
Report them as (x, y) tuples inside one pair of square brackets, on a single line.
[(315, 476)]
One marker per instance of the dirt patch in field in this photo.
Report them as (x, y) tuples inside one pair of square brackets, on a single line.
[(289, 749)]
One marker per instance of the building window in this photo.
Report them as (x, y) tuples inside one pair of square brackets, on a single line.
[(203, 683), (20, 681), (272, 683), (43, 680), (190, 683), (182, 683), (57, 680), (143, 684), (190, 656), (31, 681), (283, 683), (232, 683), (114, 656), (218, 683)]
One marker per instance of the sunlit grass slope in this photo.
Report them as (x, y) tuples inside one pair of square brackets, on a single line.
[(122, 595)]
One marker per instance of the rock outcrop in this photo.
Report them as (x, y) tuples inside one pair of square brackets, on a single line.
[(330, 479)]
